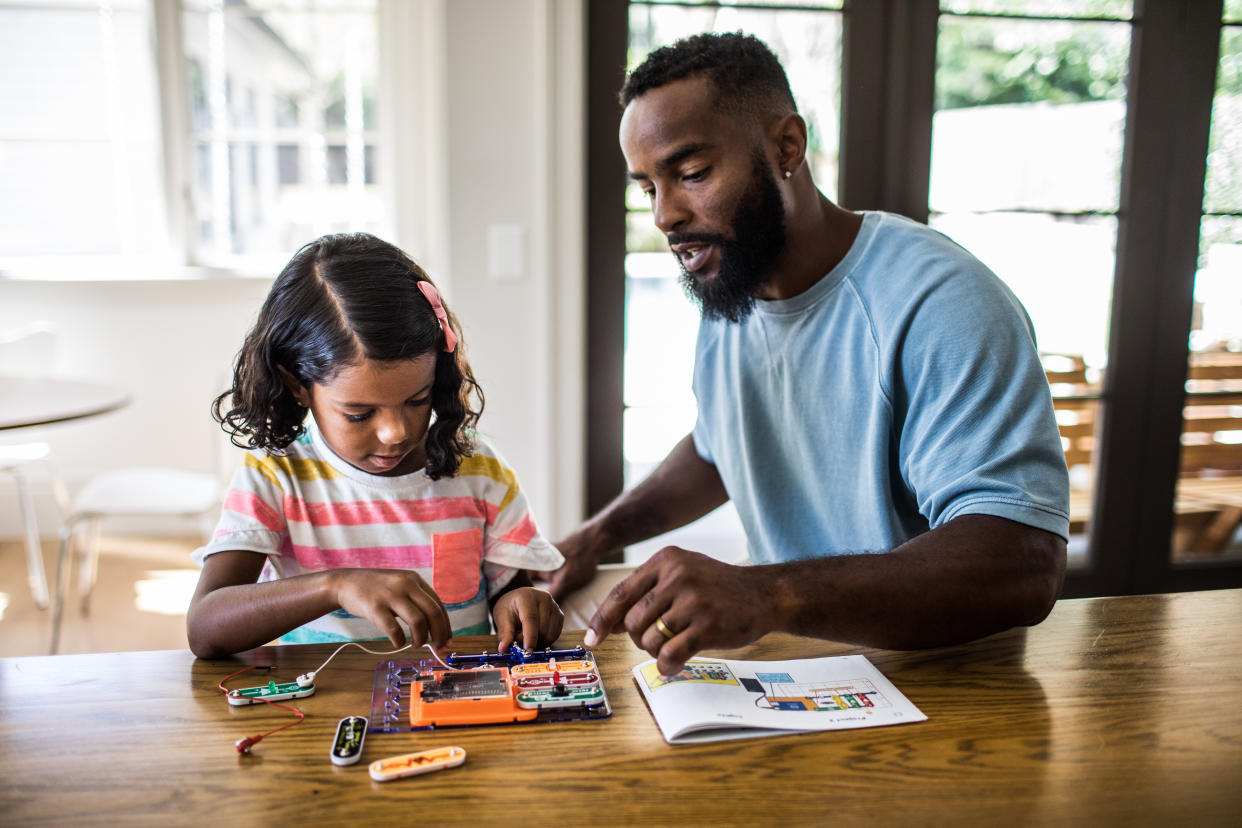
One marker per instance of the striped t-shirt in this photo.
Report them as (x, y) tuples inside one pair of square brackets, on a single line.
[(308, 511)]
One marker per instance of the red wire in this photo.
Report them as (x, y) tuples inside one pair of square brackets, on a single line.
[(243, 745)]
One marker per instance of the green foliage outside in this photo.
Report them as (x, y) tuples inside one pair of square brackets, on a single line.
[(987, 62)]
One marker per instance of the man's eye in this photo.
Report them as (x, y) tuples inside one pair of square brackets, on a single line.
[(357, 418), (697, 175)]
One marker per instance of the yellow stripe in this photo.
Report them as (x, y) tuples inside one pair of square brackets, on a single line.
[(272, 466), (481, 464)]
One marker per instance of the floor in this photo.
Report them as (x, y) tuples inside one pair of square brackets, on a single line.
[(138, 602)]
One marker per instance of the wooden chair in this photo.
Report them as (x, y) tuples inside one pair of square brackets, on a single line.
[(1211, 470), (1076, 401), (1208, 507)]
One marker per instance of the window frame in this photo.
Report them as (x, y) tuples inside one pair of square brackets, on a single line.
[(885, 157)]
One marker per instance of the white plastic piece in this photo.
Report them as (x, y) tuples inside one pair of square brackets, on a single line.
[(412, 764)]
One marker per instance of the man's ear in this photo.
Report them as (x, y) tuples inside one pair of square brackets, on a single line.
[(295, 388), (789, 135)]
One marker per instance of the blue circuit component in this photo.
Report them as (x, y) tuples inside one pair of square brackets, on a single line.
[(515, 655)]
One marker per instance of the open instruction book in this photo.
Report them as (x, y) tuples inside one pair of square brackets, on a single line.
[(714, 699)]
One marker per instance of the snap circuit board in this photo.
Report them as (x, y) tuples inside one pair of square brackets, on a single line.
[(517, 686)]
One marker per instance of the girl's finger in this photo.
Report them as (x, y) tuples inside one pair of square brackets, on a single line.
[(439, 631)]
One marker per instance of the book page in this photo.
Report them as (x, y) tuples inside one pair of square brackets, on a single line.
[(714, 699)]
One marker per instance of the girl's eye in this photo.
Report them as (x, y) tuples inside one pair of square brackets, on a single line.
[(421, 401), (357, 418)]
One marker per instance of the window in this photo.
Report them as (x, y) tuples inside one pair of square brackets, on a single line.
[(224, 134), (1208, 501), (282, 124), (1025, 173), (1066, 143), (79, 145)]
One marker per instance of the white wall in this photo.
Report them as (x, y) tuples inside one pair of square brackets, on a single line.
[(515, 135), (169, 343), (505, 79)]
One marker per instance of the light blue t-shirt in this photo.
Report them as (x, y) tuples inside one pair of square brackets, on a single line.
[(900, 391)]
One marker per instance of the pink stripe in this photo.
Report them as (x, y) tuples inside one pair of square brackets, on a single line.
[(250, 505), (522, 533), (376, 557), (365, 513)]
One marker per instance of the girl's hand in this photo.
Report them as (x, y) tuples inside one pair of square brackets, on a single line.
[(384, 595), (530, 612)]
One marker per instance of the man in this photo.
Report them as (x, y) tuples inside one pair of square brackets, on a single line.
[(870, 397)]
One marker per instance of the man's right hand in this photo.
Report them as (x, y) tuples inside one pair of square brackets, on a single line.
[(683, 488), (582, 557)]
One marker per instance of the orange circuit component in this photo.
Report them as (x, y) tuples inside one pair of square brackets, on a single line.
[(464, 697), (540, 668)]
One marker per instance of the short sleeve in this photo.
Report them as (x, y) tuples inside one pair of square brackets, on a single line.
[(512, 537), (976, 428), (252, 517)]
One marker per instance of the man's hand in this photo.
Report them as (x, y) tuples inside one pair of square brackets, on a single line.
[(582, 556), (682, 489), (704, 604), (384, 595), (531, 612)]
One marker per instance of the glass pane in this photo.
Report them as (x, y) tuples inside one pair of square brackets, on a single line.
[(1223, 192), (1118, 9), (1208, 503), (1026, 159), (811, 4), (657, 370), (1233, 11), (80, 130), (294, 84), (1208, 506), (1029, 115)]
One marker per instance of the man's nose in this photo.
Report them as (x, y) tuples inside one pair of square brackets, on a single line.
[(670, 212)]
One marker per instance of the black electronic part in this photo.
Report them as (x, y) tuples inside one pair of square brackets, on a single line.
[(469, 684), (351, 733)]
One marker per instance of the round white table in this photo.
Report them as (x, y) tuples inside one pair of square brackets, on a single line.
[(31, 401), (34, 401)]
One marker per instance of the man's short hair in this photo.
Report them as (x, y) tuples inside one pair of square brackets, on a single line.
[(745, 73)]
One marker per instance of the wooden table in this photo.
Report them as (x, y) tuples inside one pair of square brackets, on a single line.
[(1114, 711), (31, 401)]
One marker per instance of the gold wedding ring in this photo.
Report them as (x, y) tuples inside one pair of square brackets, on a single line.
[(663, 628)]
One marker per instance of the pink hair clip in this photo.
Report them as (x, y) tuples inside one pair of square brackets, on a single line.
[(433, 296)]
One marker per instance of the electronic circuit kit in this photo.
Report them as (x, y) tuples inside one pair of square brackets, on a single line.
[(549, 685), (464, 689)]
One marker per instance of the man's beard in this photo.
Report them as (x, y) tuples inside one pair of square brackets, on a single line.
[(746, 260)]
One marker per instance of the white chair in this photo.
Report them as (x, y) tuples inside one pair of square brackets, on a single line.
[(30, 350), (148, 492)]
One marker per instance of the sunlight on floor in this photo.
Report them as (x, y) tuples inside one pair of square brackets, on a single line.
[(165, 591), (139, 600)]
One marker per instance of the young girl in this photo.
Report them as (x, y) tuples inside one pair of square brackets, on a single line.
[(383, 513)]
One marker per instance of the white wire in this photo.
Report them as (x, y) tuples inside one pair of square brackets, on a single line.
[(430, 649)]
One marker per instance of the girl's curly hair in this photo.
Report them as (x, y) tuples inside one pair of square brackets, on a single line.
[(341, 299)]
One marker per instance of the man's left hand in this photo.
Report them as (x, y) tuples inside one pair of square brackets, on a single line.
[(700, 602)]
